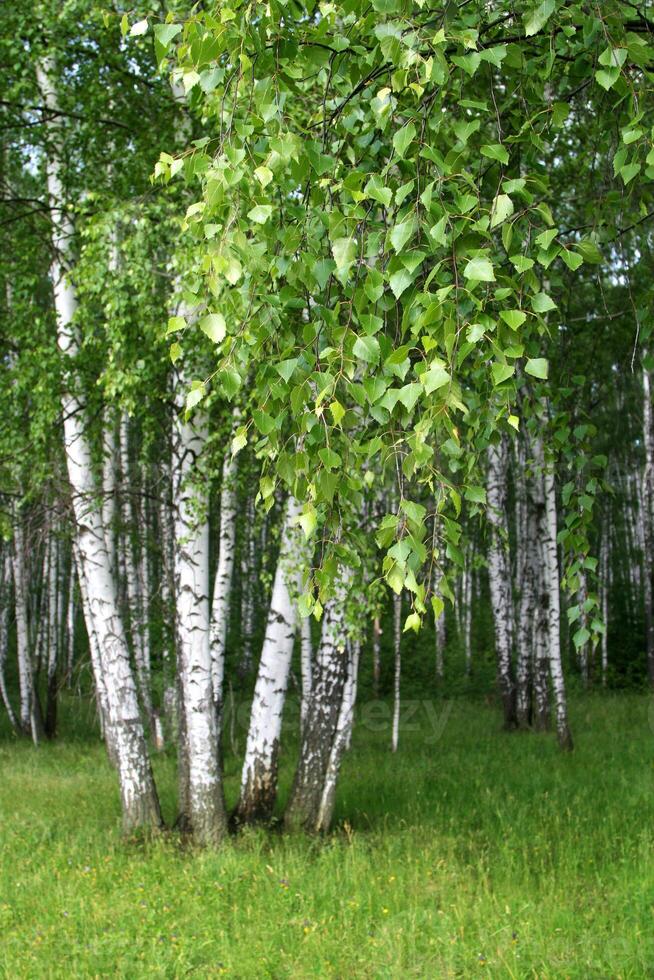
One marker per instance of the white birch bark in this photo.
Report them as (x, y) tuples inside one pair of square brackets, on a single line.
[(306, 807), (341, 739), (647, 522), (29, 717), (467, 611), (5, 575), (203, 795), (550, 563), (499, 575), (222, 588), (101, 696), (247, 589), (140, 805), (605, 584), (52, 634), (306, 667), (376, 655), (259, 774), (109, 469), (132, 581), (397, 649)]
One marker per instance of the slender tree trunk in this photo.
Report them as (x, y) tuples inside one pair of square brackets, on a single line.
[(341, 741), (605, 584), (305, 808), (550, 564), (397, 647), (30, 714), (259, 775), (467, 613), (52, 639), (247, 590), (132, 580), (5, 586), (647, 522), (526, 630), (222, 589), (439, 625), (206, 817), (306, 667), (140, 804), (500, 577), (376, 656)]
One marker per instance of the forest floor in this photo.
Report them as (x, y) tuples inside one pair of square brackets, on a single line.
[(469, 853)]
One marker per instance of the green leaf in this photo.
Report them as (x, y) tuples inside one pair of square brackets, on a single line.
[(378, 192), (589, 252), (214, 326), (495, 151), (501, 372), (402, 233), (195, 395), (260, 213), (542, 303), (479, 269), (264, 422), (240, 440), (412, 622), (572, 259), (521, 263), (264, 175), (502, 209), (366, 349), (285, 368), (629, 171), (344, 251), (308, 520), (401, 280), (175, 323), (403, 139), (607, 77), (436, 377), (164, 33), (514, 318), (337, 411), (409, 395), (537, 367), (536, 20), (476, 495), (581, 637), (438, 606)]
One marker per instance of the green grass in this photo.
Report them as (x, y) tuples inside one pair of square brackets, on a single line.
[(481, 853)]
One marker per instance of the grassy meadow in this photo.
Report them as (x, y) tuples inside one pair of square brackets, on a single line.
[(469, 853)]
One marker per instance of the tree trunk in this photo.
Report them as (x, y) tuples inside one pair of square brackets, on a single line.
[(140, 804), (30, 713), (647, 521), (5, 573), (206, 816), (259, 775), (305, 808), (550, 565), (499, 575), (132, 580), (526, 630), (397, 648), (306, 667), (341, 739), (376, 656), (222, 588)]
